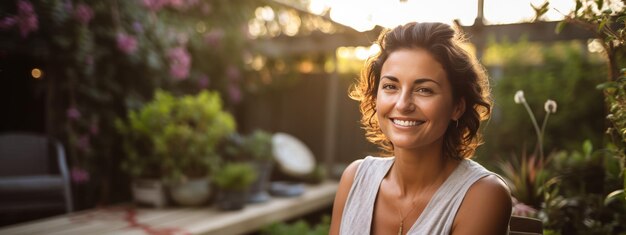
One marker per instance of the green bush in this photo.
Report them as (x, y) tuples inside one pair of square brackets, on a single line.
[(175, 138), (235, 176), (583, 200), (300, 227), (258, 146)]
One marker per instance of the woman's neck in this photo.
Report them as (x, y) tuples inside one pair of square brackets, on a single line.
[(415, 171)]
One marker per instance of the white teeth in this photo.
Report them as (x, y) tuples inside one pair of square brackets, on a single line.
[(405, 123)]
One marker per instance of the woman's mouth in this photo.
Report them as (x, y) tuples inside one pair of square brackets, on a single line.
[(406, 123)]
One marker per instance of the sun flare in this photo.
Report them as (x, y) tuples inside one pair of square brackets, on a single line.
[(363, 15)]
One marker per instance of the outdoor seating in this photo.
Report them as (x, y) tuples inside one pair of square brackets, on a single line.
[(34, 179), (520, 225)]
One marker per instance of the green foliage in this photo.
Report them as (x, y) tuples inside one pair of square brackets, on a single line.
[(606, 19), (584, 201), (616, 100), (562, 72), (318, 175), (258, 145), (235, 176), (527, 178), (176, 137), (300, 227)]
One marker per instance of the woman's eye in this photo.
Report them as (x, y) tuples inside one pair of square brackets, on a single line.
[(424, 91), (388, 87)]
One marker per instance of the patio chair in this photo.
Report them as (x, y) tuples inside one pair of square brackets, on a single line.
[(519, 225), (34, 179)]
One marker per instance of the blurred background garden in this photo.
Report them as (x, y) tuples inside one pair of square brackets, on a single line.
[(179, 90)]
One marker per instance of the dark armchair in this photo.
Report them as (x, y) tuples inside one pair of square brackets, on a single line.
[(34, 179)]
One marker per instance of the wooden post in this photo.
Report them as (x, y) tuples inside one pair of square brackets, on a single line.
[(330, 130)]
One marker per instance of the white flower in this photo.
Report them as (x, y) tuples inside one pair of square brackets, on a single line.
[(616, 6), (550, 106), (519, 97)]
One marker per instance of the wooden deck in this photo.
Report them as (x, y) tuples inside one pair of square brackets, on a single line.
[(129, 220)]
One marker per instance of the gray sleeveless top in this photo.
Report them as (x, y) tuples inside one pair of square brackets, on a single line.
[(438, 214)]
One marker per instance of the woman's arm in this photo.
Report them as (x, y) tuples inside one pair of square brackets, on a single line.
[(486, 209), (342, 194)]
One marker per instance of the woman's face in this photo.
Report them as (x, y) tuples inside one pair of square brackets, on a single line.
[(414, 102)]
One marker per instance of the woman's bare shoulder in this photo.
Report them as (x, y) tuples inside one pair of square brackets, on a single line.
[(342, 193), (486, 208)]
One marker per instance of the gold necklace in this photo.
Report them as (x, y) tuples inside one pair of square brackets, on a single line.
[(402, 218)]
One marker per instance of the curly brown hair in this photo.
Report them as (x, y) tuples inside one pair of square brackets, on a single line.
[(467, 78)]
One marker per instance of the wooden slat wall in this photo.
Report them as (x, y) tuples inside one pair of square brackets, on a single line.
[(300, 110)]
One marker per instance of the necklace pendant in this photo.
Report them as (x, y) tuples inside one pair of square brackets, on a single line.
[(400, 230)]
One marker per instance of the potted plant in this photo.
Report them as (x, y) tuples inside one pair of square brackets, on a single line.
[(233, 182), (174, 140), (257, 149), (257, 146)]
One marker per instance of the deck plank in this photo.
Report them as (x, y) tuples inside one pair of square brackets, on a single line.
[(129, 220)]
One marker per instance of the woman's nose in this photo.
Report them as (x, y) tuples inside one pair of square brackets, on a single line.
[(405, 103)]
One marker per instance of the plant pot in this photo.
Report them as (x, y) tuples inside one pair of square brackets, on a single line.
[(149, 192), (229, 199), (195, 192), (258, 189)]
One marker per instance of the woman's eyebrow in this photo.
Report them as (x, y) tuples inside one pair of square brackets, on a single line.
[(417, 81), (392, 78), (424, 80)]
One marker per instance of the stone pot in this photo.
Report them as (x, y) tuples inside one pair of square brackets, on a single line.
[(151, 192), (194, 192)]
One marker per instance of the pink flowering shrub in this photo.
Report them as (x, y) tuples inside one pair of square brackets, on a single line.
[(126, 43), (26, 19), (180, 62), (83, 13), (79, 175)]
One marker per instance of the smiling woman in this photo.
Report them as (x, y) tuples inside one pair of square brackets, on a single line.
[(422, 99)]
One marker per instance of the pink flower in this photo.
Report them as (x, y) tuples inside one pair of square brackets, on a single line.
[(83, 13), (28, 21), (234, 93), (178, 4), (154, 5), (180, 62), (522, 209), (79, 175), (73, 113), (8, 22), (126, 43)]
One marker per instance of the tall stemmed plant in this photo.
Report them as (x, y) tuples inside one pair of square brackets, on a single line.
[(550, 107)]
